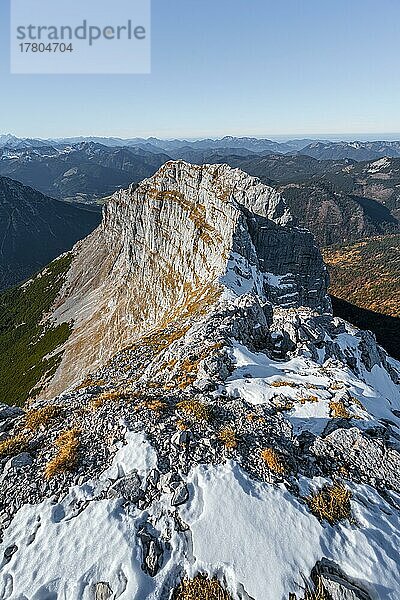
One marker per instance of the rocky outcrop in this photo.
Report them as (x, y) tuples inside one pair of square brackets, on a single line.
[(335, 583), (163, 249)]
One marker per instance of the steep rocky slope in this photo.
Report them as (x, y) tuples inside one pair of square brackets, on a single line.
[(365, 283), (367, 273), (231, 440), (161, 250), (34, 229)]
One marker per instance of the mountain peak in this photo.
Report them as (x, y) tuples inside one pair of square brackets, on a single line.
[(162, 244)]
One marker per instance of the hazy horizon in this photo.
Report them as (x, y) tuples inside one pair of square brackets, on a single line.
[(333, 137)]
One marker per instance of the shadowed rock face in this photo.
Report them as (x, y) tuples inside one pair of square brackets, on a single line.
[(35, 229), (160, 253)]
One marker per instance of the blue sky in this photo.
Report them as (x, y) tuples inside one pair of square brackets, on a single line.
[(240, 67)]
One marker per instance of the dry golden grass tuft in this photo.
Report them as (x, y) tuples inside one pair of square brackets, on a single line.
[(185, 380), (253, 418), (227, 436), (14, 445), (200, 588), (338, 410), (336, 386), (181, 425), (331, 503), (159, 339), (357, 402), (89, 382), (278, 384), (283, 405), (188, 371), (194, 409), (272, 460), (113, 396), (308, 399), (153, 404), (67, 453), (34, 418), (315, 593)]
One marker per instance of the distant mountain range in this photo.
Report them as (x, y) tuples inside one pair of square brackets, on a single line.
[(316, 148), (337, 194), (82, 172), (34, 229), (355, 150), (157, 145)]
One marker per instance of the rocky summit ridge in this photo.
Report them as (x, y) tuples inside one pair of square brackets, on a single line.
[(165, 246), (211, 428)]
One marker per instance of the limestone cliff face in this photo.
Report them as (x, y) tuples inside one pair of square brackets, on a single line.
[(171, 245)]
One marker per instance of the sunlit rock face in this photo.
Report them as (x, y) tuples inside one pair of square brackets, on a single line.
[(162, 249)]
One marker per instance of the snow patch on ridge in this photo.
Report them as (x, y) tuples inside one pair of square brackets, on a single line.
[(269, 535), (256, 374), (66, 547)]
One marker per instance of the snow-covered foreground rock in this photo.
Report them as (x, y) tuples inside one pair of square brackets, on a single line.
[(239, 432)]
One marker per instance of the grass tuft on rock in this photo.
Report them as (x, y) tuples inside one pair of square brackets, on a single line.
[(153, 404), (278, 384), (14, 445), (200, 588), (331, 503), (227, 436), (273, 461), (67, 453), (194, 410), (338, 410), (109, 396), (35, 418)]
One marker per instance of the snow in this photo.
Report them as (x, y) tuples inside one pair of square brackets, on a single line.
[(271, 538), (278, 281), (254, 535), (240, 278), (376, 166), (66, 547), (255, 373), (311, 416), (136, 453)]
